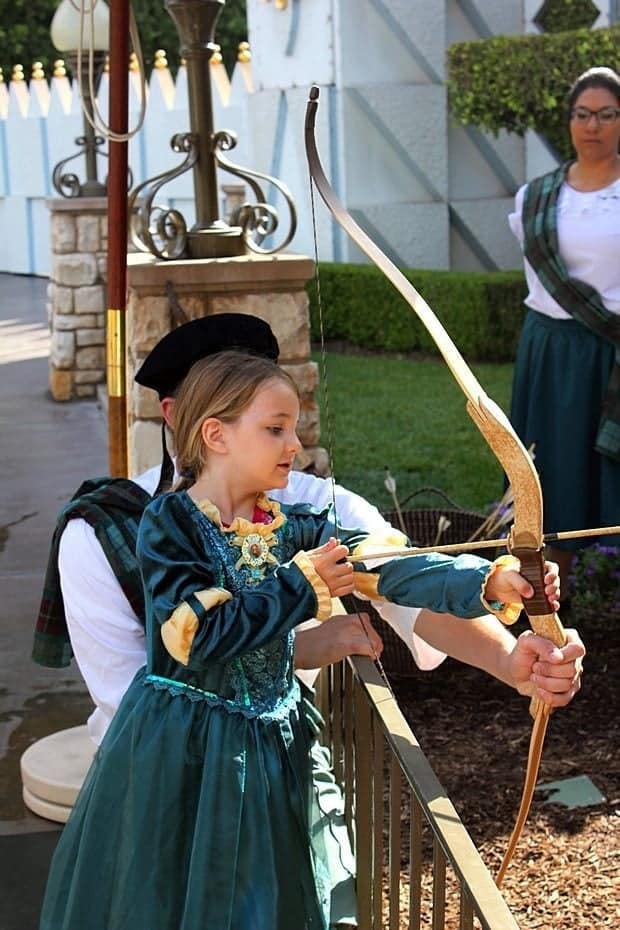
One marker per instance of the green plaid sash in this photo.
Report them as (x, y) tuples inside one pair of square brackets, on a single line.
[(577, 298), (113, 507)]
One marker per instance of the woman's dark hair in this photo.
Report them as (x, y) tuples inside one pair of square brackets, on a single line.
[(594, 77)]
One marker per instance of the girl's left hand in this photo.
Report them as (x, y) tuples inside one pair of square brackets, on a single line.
[(508, 586), (330, 562)]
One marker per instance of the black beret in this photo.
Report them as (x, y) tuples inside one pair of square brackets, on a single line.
[(170, 360)]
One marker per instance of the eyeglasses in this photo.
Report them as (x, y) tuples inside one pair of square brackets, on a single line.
[(604, 116)]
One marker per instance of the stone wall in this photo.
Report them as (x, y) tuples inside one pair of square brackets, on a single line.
[(271, 287), (77, 296)]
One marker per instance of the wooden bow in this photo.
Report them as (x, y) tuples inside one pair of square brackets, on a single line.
[(526, 534)]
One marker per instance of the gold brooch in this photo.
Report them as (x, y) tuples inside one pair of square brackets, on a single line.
[(255, 555)]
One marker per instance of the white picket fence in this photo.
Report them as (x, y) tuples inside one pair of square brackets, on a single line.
[(41, 119)]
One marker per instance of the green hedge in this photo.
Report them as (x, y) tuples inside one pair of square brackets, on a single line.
[(560, 15), (482, 311), (521, 82)]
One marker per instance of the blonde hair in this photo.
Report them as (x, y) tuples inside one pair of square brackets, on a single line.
[(221, 386)]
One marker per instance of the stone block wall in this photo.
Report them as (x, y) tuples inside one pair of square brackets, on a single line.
[(77, 296), (271, 287)]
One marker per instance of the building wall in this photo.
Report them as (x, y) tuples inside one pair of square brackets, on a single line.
[(432, 194)]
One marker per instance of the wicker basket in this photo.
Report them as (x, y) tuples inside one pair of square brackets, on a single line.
[(421, 526)]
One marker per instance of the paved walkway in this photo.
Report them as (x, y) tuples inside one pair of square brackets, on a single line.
[(46, 450)]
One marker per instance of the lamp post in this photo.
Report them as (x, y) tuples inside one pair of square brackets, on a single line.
[(65, 33), (161, 230), (195, 22)]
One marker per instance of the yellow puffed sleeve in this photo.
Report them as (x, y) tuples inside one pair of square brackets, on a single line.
[(380, 542), (323, 597), (178, 632), (366, 582)]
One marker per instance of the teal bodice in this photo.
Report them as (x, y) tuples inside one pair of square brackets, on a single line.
[(252, 681)]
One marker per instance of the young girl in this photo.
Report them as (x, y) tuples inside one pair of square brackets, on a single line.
[(195, 813)]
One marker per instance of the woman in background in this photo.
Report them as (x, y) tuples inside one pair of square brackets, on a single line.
[(568, 224)]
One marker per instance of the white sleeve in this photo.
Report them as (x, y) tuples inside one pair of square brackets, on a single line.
[(514, 219), (356, 513), (403, 621), (353, 511), (107, 638)]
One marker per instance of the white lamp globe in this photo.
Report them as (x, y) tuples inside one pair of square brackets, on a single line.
[(65, 26)]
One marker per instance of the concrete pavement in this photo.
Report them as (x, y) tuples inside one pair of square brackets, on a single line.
[(46, 450)]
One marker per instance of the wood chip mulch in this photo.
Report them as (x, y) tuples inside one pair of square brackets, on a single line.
[(475, 732)]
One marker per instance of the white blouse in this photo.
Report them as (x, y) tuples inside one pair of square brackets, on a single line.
[(589, 243)]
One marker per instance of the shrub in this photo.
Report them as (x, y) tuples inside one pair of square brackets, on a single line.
[(594, 582), (521, 82), (560, 15), (482, 311)]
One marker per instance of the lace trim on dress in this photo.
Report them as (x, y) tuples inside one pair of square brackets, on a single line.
[(253, 540), (572, 202), (268, 710), (240, 526)]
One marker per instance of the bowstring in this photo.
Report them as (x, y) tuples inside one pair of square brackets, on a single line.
[(328, 413), (323, 355)]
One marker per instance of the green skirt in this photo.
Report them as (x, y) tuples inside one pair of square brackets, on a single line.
[(196, 818), (561, 374)]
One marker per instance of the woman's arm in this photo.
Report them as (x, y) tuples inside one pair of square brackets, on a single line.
[(530, 664)]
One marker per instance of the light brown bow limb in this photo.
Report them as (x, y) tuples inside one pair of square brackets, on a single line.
[(526, 539)]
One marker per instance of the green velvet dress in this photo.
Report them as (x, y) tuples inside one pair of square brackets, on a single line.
[(197, 812)]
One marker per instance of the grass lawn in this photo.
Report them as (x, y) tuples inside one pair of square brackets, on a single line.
[(410, 415)]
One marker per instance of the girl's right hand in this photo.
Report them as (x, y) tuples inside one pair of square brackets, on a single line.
[(330, 564)]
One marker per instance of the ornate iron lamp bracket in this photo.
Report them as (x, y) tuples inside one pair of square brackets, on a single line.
[(260, 219), (69, 185), (153, 228), (163, 232)]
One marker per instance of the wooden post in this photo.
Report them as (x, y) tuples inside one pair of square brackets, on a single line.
[(117, 239)]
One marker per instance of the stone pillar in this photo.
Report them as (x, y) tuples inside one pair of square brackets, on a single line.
[(233, 196), (271, 287), (77, 296)]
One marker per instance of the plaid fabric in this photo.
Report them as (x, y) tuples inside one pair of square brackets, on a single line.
[(577, 298), (113, 507)]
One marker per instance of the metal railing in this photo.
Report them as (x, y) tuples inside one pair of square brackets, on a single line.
[(416, 864)]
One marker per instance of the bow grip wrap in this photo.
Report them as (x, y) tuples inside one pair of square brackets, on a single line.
[(541, 620), (543, 623)]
